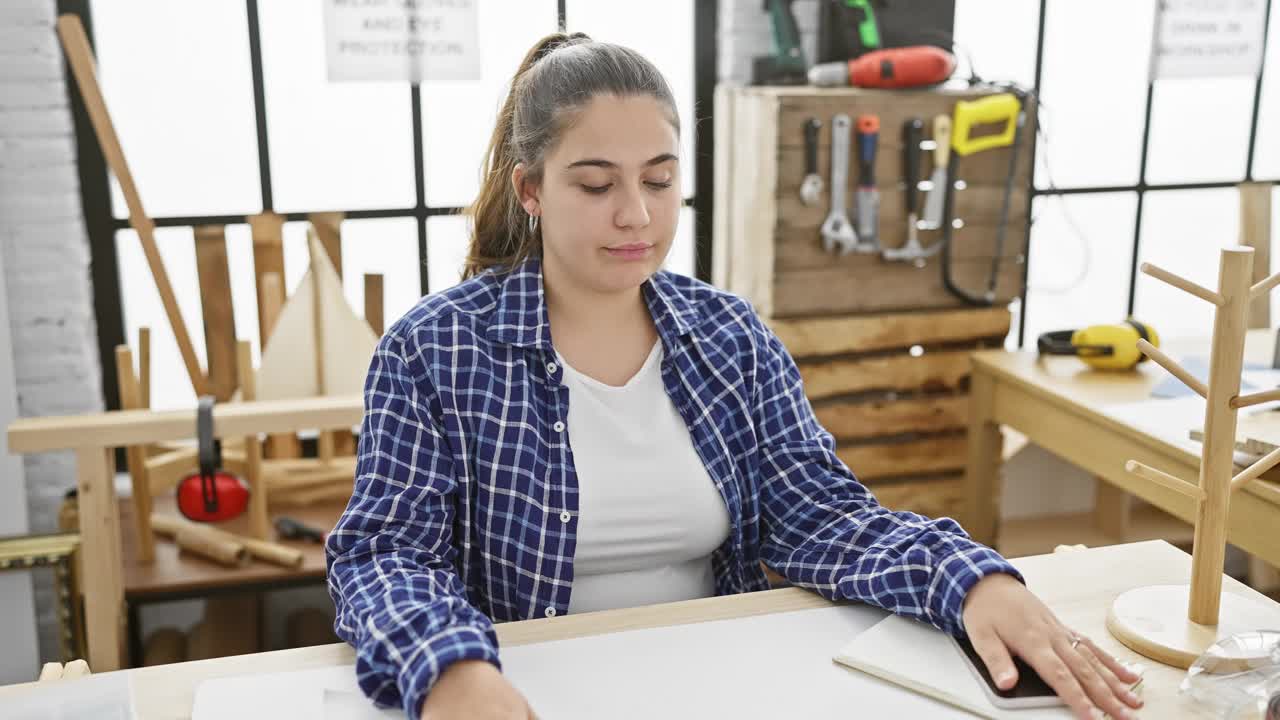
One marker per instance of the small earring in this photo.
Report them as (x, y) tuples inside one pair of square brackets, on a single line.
[(533, 223)]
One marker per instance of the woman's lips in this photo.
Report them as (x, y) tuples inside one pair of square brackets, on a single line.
[(631, 251)]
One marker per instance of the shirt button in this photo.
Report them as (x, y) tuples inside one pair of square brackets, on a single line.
[(551, 368), (558, 427), (551, 612), (565, 516)]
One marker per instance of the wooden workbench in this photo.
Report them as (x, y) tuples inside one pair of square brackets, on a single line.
[(1099, 420), (1077, 585), (94, 437)]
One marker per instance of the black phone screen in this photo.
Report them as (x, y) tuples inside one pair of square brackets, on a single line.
[(1029, 684)]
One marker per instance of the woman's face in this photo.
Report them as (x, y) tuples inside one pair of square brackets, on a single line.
[(610, 195)]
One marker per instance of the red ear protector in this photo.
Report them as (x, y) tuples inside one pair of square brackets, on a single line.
[(210, 495)]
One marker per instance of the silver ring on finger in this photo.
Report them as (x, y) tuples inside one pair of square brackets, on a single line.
[(1075, 640)]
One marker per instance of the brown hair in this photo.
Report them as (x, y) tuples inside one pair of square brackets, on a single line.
[(559, 76)]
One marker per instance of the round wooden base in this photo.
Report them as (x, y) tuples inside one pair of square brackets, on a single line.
[(1152, 621)]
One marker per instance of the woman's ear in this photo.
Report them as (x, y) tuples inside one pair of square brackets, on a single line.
[(526, 189)]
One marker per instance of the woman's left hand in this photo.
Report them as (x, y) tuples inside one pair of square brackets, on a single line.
[(1001, 616)]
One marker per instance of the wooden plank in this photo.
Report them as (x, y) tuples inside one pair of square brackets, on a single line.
[(722, 215), (751, 275), (165, 470), (884, 417), (268, 259), (337, 491), (885, 287), (144, 367), (135, 457), (308, 477), (128, 427), (100, 550), (854, 334), (982, 460), (933, 496), (373, 300), (328, 227), (976, 203), (79, 54), (1255, 232), (280, 445), (259, 524), (216, 308), (938, 454), (934, 371), (1112, 510), (800, 248)]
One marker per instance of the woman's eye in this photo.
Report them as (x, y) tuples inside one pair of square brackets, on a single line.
[(595, 189), (660, 185)]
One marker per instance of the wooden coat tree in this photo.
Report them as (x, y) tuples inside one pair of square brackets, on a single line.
[(1174, 624)]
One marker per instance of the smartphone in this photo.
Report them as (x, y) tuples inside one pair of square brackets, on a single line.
[(1030, 691)]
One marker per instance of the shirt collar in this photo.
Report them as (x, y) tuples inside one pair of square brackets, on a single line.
[(521, 314)]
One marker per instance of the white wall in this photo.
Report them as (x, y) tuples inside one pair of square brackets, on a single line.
[(49, 354), (17, 621)]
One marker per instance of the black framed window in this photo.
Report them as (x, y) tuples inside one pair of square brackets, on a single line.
[(1126, 170), (238, 118)]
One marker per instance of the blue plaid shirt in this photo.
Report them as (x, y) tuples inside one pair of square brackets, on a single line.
[(465, 504)]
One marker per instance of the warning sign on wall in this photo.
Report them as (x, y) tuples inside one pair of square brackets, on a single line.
[(1207, 38), (407, 40)]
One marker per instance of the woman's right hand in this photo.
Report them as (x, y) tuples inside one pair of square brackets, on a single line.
[(475, 689)]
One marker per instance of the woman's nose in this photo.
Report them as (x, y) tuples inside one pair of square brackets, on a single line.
[(632, 210)]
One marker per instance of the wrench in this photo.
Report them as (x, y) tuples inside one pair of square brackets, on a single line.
[(912, 251), (811, 187), (836, 229)]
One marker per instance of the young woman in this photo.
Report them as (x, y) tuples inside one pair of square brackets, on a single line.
[(573, 429)]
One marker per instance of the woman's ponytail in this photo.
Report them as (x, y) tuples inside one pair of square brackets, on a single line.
[(500, 235)]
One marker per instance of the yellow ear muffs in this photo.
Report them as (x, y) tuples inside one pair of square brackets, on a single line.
[(1104, 347)]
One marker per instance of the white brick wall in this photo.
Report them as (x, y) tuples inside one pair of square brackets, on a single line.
[(45, 257), (745, 32)]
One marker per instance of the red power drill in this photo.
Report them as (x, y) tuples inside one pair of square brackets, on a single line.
[(891, 68)]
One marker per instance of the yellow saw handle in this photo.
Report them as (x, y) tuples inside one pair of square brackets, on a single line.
[(987, 111)]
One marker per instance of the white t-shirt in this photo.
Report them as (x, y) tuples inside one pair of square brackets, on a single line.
[(649, 514)]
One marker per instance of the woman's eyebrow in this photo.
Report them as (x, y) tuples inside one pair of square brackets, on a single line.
[(597, 162)]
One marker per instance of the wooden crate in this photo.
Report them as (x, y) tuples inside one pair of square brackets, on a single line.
[(894, 391), (882, 346), (768, 247)]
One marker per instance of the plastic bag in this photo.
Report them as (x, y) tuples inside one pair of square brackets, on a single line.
[(1239, 676)]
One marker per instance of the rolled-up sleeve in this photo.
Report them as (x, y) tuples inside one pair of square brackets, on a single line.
[(399, 600), (824, 530)]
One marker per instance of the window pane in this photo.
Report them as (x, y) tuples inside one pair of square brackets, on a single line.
[(1081, 252), (662, 31), (458, 117), (170, 384), (388, 246), (1000, 35), (341, 146), (1182, 232), (182, 104), (682, 258), (1093, 128), (1199, 129), (1266, 154), (446, 250)]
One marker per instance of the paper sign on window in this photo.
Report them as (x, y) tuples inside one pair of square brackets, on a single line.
[(405, 40), (1207, 38)]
